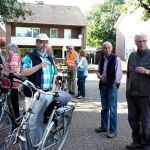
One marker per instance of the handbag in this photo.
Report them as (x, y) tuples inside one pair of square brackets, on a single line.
[(80, 74)]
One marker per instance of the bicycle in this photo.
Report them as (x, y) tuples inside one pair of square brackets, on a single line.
[(57, 126), (61, 81), (7, 117)]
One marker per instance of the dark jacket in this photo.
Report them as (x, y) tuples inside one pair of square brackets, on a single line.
[(138, 84), (110, 72), (35, 78)]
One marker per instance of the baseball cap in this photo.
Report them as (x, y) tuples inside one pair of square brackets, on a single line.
[(71, 46), (42, 36)]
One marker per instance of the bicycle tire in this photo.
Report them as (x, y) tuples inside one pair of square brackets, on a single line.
[(9, 144), (58, 87), (6, 126), (64, 85), (55, 138)]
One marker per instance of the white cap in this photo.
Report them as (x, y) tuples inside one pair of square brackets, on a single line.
[(42, 36)]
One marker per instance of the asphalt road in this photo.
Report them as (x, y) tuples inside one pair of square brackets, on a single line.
[(86, 118)]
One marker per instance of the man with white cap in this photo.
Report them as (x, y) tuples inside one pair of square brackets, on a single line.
[(40, 69)]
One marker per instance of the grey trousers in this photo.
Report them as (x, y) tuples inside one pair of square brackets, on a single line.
[(71, 79), (139, 119)]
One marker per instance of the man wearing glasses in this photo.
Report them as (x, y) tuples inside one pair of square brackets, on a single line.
[(138, 94)]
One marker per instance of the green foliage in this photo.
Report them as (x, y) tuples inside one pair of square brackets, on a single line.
[(102, 18), (24, 51), (146, 5), (132, 6), (11, 10)]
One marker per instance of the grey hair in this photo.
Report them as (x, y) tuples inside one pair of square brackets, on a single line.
[(139, 35), (12, 47), (107, 42)]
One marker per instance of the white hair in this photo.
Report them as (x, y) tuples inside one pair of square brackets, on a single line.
[(107, 43), (12, 47), (141, 34)]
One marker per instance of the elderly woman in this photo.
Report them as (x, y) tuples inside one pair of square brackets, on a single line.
[(12, 64), (82, 73)]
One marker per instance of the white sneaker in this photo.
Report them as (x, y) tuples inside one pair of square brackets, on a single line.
[(80, 97)]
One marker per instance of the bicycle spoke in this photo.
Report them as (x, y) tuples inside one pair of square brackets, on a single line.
[(5, 126)]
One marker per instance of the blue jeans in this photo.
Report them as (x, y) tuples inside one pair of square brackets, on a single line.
[(81, 86), (36, 122), (109, 108)]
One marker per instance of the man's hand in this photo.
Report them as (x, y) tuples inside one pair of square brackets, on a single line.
[(101, 77), (44, 64), (140, 70)]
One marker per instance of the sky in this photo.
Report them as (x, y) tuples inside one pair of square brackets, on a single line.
[(84, 5)]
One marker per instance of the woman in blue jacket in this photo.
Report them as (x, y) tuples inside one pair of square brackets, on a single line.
[(82, 73)]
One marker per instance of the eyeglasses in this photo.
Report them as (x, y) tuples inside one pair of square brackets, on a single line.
[(141, 41)]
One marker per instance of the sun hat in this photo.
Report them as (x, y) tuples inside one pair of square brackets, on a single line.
[(42, 36)]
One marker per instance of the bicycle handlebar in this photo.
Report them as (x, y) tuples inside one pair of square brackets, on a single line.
[(26, 82)]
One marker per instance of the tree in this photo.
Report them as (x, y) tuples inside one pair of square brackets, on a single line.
[(132, 6), (11, 10), (146, 5), (101, 19)]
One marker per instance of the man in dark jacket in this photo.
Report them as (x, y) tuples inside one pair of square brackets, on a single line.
[(110, 74), (138, 94)]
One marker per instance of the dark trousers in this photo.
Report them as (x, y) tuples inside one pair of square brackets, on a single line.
[(81, 86), (14, 101), (139, 119)]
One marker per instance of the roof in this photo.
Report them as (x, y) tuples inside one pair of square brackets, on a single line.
[(55, 15)]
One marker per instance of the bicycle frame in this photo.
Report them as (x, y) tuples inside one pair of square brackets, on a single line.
[(22, 132)]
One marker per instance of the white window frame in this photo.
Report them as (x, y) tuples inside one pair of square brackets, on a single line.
[(65, 32), (29, 28), (56, 32)]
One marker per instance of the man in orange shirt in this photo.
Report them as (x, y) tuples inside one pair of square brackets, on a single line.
[(72, 62)]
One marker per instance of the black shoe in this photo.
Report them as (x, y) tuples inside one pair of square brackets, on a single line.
[(134, 146), (72, 93), (76, 96), (100, 130)]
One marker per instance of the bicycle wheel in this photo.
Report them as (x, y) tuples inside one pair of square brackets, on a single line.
[(10, 144), (58, 86), (57, 134), (64, 85), (6, 126)]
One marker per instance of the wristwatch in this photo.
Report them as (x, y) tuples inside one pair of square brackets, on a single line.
[(147, 72)]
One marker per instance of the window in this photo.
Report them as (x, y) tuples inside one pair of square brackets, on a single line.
[(67, 33), (35, 31), (27, 32), (53, 33), (57, 52)]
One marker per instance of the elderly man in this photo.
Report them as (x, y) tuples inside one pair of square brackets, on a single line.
[(110, 74), (72, 62), (40, 69), (138, 94)]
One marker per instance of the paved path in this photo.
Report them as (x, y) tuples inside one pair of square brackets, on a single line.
[(87, 117)]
